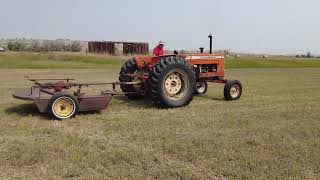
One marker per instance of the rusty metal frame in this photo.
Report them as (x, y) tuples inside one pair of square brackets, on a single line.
[(68, 85)]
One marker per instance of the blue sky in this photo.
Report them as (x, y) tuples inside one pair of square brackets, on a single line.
[(260, 26)]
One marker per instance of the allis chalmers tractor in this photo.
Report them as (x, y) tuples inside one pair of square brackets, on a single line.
[(171, 80)]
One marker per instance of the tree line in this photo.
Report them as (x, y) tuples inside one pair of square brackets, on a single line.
[(44, 46)]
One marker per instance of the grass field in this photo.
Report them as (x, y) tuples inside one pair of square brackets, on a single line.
[(86, 61), (56, 60), (273, 132)]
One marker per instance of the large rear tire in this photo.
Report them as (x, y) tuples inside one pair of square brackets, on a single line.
[(172, 83), (128, 70)]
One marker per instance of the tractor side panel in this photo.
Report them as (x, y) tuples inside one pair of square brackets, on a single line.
[(203, 59)]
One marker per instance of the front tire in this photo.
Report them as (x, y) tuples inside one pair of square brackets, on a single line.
[(232, 90), (201, 88), (63, 106), (172, 83)]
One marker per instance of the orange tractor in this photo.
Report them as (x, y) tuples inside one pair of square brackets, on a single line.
[(172, 80)]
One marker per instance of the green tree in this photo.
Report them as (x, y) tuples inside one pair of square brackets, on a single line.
[(75, 46)]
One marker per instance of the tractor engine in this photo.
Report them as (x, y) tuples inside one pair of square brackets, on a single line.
[(204, 68)]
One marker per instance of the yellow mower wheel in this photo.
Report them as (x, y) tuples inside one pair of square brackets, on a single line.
[(63, 106)]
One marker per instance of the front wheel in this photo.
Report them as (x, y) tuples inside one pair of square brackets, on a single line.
[(201, 87), (232, 90)]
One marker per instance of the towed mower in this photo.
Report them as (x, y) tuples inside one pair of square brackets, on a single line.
[(59, 101)]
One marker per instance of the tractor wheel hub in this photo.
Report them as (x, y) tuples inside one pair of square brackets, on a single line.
[(235, 90), (173, 84)]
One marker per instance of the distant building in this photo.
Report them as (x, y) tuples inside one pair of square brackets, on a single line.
[(118, 48)]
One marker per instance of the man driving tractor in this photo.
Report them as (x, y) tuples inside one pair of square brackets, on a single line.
[(159, 50)]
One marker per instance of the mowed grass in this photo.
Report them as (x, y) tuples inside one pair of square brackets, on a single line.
[(56, 60), (272, 132)]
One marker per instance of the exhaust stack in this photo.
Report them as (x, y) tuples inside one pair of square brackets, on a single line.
[(210, 37), (201, 49)]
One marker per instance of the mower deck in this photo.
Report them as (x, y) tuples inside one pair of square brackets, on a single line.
[(42, 94), (86, 102)]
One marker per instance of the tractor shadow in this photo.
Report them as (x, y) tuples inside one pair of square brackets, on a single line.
[(23, 110), (30, 109), (145, 103), (210, 97), (217, 99)]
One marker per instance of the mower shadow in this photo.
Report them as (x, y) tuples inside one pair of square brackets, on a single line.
[(25, 110)]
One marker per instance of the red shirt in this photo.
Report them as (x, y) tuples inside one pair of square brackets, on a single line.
[(158, 51)]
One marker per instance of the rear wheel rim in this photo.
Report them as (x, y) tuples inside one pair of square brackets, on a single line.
[(63, 107), (235, 91), (176, 85), (136, 78)]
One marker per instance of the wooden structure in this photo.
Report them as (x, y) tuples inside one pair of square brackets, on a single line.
[(109, 47)]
